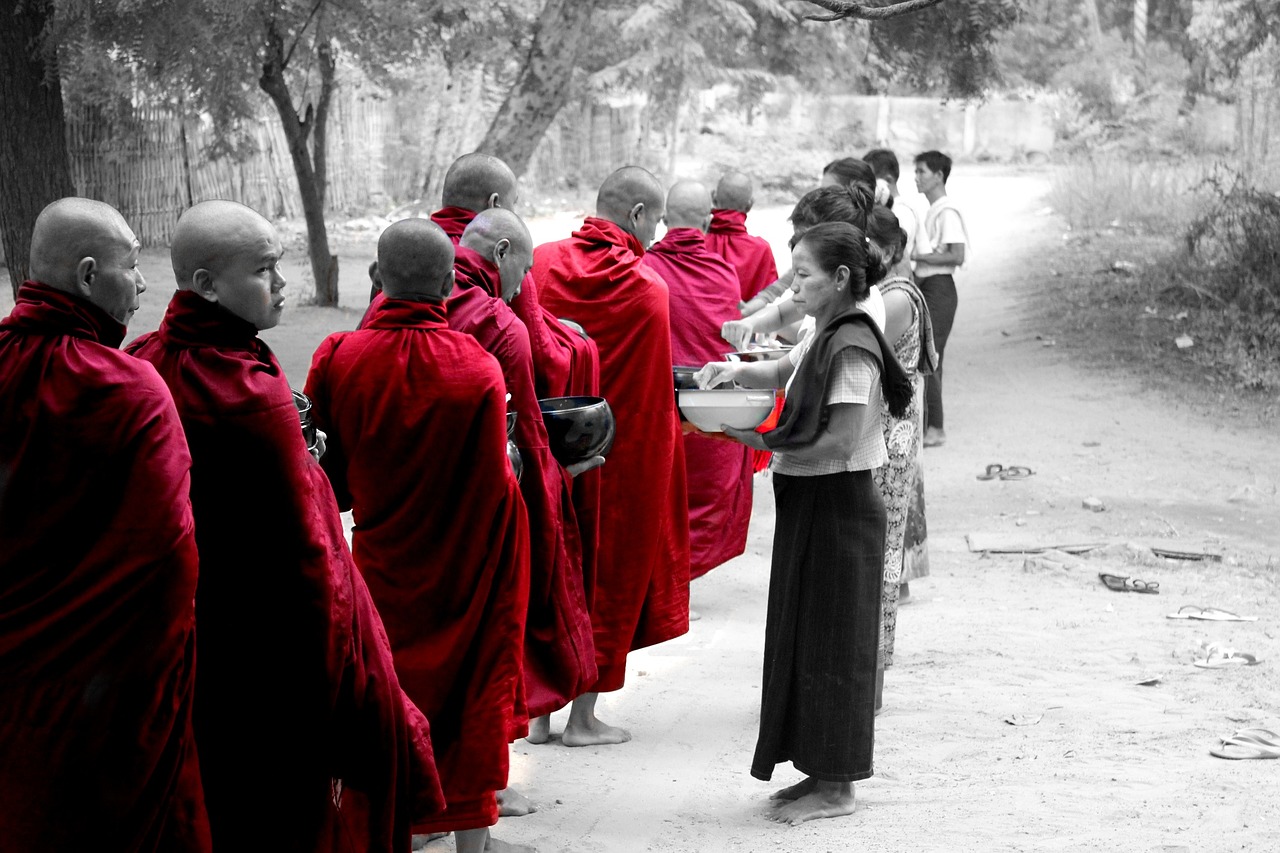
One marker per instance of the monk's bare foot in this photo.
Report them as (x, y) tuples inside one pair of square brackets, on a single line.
[(512, 803), (796, 791), (539, 729), (496, 846), (585, 729), (828, 799), (420, 842), (596, 734)]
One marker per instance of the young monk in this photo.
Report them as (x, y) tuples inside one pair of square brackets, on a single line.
[(306, 740), (492, 260), (727, 236), (416, 421), (98, 560), (642, 580), (704, 295), (565, 364)]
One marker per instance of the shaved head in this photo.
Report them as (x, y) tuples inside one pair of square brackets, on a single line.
[(632, 198), (688, 205), (210, 234), (415, 261), (734, 192), (503, 239), (478, 182), (230, 255), (71, 229)]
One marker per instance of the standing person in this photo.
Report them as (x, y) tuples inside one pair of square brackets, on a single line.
[(885, 164), (642, 576), (566, 362), (830, 203), (416, 419), (849, 174), (493, 259), (306, 740), (751, 256), (901, 479), (97, 561), (704, 292), (823, 622), (938, 253)]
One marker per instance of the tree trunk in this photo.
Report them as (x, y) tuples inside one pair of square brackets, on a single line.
[(34, 167), (1095, 22), (308, 164), (542, 87)]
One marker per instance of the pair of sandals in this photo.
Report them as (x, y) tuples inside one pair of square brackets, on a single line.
[(1248, 743), (996, 471)]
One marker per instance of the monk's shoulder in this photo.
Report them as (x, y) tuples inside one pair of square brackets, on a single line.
[(125, 388)]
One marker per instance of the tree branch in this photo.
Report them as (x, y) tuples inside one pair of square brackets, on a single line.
[(862, 12), (301, 30)]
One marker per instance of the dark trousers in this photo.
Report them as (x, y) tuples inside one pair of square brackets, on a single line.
[(939, 293)]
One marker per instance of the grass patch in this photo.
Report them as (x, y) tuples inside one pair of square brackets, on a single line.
[(1163, 253)]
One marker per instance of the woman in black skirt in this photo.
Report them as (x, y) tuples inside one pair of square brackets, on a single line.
[(822, 630)]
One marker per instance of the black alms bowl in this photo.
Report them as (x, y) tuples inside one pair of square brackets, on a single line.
[(578, 427)]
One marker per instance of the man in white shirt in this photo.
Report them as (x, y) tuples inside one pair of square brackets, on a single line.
[(939, 250)]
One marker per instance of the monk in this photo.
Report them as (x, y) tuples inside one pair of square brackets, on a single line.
[(751, 256), (306, 740), (416, 421), (97, 561), (492, 260), (565, 364), (704, 292), (642, 576)]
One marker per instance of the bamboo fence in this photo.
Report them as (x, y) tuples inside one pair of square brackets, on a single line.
[(383, 150)]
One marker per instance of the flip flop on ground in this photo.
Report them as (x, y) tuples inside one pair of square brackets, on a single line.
[(1124, 583), (1209, 614), (1217, 657), (1236, 749), (1262, 737)]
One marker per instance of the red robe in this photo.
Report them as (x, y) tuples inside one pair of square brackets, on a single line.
[(565, 364), (642, 582), (704, 295), (559, 654), (417, 436), (97, 580), (296, 685), (751, 256)]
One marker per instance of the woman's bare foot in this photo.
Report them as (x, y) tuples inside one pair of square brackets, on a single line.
[(585, 729), (481, 841), (539, 729), (796, 791), (828, 799), (512, 803)]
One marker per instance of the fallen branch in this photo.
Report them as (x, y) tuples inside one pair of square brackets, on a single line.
[(860, 11)]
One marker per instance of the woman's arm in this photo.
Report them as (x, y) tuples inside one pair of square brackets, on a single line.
[(840, 437), (898, 314), (768, 295), (748, 374)]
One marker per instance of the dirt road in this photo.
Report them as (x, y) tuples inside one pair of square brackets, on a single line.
[(1109, 764)]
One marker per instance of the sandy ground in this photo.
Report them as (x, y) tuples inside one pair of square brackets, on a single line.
[(1102, 762)]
